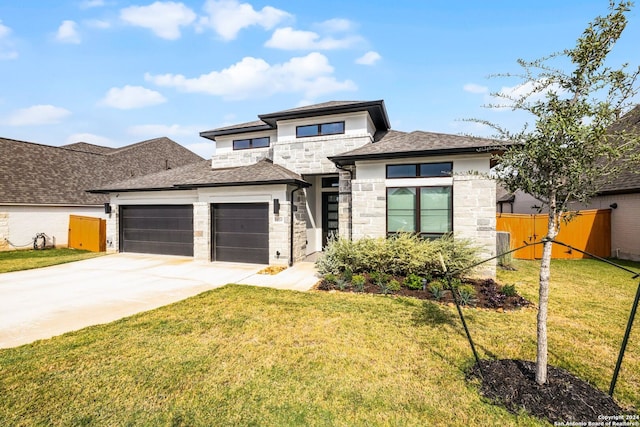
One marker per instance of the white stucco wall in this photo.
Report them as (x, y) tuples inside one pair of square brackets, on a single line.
[(23, 222)]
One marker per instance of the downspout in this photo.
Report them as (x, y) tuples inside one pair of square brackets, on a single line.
[(292, 224)]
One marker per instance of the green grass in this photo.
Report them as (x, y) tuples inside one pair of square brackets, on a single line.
[(26, 260), (241, 355)]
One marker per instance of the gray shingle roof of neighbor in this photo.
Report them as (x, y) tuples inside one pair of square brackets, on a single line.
[(376, 110), (202, 175), (40, 174), (629, 180), (417, 143)]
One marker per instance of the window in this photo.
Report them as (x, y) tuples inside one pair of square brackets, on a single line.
[(334, 128), (245, 144), (421, 170), (331, 182), (424, 210)]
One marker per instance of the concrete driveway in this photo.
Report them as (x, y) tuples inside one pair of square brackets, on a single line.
[(41, 303)]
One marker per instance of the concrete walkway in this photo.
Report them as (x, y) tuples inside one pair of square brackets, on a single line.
[(41, 303)]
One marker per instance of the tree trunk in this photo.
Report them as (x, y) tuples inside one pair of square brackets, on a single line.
[(543, 293)]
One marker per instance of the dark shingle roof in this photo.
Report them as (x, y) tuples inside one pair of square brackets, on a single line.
[(201, 175), (629, 180), (376, 110), (417, 143), (41, 174)]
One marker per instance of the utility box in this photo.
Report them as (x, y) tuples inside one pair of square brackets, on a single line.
[(87, 233)]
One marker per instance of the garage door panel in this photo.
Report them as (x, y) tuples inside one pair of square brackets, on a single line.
[(157, 229), (241, 232), (248, 240), (252, 256), (242, 225)]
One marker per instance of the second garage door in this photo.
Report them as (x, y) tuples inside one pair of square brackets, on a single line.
[(157, 229), (240, 232)]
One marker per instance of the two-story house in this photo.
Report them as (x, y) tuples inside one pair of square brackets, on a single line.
[(277, 188)]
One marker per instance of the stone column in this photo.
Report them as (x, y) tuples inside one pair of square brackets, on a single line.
[(202, 231), (4, 231), (344, 205), (113, 230)]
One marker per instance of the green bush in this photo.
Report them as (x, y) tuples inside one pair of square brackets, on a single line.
[(437, 290), (400, 255), (509, 290), (358, 281), (466, 294), (413, 281), (393, 285)]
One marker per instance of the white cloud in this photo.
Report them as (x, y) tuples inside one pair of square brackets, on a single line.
[(90, 139), (309, 75), (164, 19), (97, 23), (68, 32), (369, 58), (289, 39), (335, 25), (163, 130), (6, 46), (228, 17), (129, 97), (37, 115), (475, 88), (202, 149), (88, 4)]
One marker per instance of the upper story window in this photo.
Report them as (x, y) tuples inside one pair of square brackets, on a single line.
[(420, 170), (245, 144), (334, 128)]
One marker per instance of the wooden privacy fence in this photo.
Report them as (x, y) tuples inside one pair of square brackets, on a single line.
[(87, 233), (589, 231)]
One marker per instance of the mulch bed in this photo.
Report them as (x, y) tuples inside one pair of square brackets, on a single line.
[(563, 399), (488, 294)]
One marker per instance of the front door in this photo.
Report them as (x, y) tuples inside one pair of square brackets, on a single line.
[(329, 216)]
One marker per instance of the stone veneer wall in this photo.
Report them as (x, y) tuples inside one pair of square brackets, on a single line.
[(4, 231), (113, 237), (309, 155), (241, 157), (279, 231), (369, 207), (344, 205), (474, 216), (202, 231)]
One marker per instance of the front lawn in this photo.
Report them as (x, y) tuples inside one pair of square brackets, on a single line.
[(28, 259), (242, 355)]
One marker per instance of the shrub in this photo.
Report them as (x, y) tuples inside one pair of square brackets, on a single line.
[(358, 281), (413, 281), (437, 290), (467, 294), (509, 290), (347, 274), (393, 285), (400, 255)]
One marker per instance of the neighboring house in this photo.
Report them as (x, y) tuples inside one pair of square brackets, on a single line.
[(622, 196), (41, 185), (277, 188)]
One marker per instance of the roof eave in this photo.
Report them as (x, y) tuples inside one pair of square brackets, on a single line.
[(349, 160), (212, 134), (381, 119), (176, 187)]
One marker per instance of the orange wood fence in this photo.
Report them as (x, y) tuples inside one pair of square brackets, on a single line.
[(87, 233), (589, 231)]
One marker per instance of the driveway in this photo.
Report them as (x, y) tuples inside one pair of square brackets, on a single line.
[(41, 303)]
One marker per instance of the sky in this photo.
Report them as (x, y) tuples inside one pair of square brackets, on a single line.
[(116, 72)]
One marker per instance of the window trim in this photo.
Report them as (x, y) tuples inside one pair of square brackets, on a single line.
[(417, 170), (250, 147), (417, 212), (319, 129)]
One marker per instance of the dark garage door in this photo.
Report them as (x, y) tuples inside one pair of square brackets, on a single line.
[(157, 229), (241, 232)]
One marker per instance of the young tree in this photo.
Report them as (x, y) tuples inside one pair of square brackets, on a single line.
[(572, 150)]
